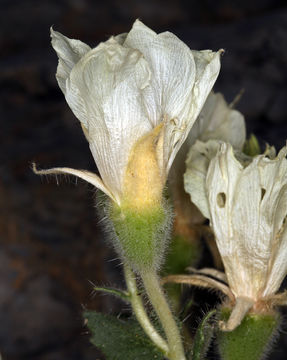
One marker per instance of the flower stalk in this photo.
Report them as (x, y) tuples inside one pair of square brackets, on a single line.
[(161, 307), (140, 312)]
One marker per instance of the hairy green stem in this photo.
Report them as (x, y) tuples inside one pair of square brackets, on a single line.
[(161, 307), (140, 313)]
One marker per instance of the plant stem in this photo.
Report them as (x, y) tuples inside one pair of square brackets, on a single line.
[(158, 300), (140, 313)]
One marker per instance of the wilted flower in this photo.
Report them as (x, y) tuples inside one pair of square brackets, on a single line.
[(247, 208), (216, 121), (137, 96)]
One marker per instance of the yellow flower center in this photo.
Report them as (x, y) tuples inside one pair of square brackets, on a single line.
[(143, 181)]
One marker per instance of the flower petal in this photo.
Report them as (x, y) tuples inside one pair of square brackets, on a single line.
[(83, 174), (248, 207), (219, 121), (207, 69), (173, 71), (69, 52), (222, 178), (274, 209), (180, 83), (104, 93), (197, 163)]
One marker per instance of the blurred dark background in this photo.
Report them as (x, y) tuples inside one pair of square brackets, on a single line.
[(52, 246)]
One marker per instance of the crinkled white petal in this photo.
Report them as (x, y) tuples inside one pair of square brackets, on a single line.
[(247, 207), (277, 266), (216, 121), (248, 213), (83, 174), (104, 93), (223, 176), (173, 71), (207, 69), (197, 163), (180, 82), (69, 52), (128, 85), (120, 39), (219, 121), (252, 232), (274, 210), (243, 237)]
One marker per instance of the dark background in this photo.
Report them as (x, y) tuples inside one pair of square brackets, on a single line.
[(52, 246)]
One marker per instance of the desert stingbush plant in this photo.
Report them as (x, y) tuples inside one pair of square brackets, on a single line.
[(137, 96)]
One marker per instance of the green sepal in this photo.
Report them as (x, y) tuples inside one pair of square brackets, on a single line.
[(203, 336), (124, 295), (251, 146), (140, 236), (251, 339), (120, 339)]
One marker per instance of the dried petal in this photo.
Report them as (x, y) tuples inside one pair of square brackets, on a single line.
[(125, 87)]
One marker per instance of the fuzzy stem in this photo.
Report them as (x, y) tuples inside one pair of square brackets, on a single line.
[(158, 300), (140, 313)]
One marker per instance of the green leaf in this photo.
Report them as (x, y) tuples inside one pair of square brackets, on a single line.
[(203, 337), (124, 295), (120, 339)]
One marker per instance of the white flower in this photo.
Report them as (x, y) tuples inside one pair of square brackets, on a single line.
[(247, 208), (216, 121), (137, 96)]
